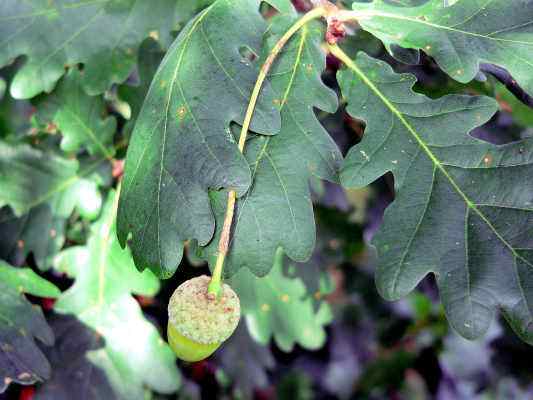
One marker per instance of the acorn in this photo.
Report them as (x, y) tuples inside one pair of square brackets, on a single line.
[(199, 321)]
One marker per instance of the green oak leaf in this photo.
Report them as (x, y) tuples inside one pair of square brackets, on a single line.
[(150, 56), (78, 116), (103, 35), (27, 281), (21, 361), (277, 210), (39, 192), (461, 35), (278, 306), (462, 208), (182, 145), (188, 9), (133, 354)]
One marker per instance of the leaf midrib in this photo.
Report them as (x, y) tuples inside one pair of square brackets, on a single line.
[(62, 186), (90, 133), (437, 163), (263, 151)]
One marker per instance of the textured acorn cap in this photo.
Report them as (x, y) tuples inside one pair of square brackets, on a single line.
[(200, 316)]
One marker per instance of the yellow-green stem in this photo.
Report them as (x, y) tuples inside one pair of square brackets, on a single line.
[(223, 244)]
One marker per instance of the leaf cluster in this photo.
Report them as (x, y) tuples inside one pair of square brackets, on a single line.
[(119, 124)]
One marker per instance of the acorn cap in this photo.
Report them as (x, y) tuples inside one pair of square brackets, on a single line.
[(201, 316)]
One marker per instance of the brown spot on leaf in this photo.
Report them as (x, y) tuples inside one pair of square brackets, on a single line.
[(182, 111)]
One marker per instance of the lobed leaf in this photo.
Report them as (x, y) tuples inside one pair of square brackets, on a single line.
[(278, 306), (78, 116), (103, 35), (21, 361), (14, 114), (133, 354), (27, 281), (462, 208), (150, 56), (461, 35), (74, 374), (277, 210), (182, 145), (39, 192)]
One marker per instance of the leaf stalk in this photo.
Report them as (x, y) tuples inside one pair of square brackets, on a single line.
[(223, 244)]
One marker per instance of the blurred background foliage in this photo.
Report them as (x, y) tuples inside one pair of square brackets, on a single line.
[(318, 330)]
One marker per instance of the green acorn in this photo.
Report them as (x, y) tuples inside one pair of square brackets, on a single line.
[(198, 321)]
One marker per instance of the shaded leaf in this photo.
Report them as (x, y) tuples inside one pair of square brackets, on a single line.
[(104, 35), (41, 190), (460, 36), (134, 353), (245, 362), (277, 210), (181, 145), (406, 56), (21, 361), (296, 385), (14, 114), (279, 306), (466, 376), (38, 232), (150, 56), (462, 208), (73, 373), (78, 116)]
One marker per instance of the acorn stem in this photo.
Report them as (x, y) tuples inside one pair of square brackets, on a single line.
[(223, 244), (216, 279)]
